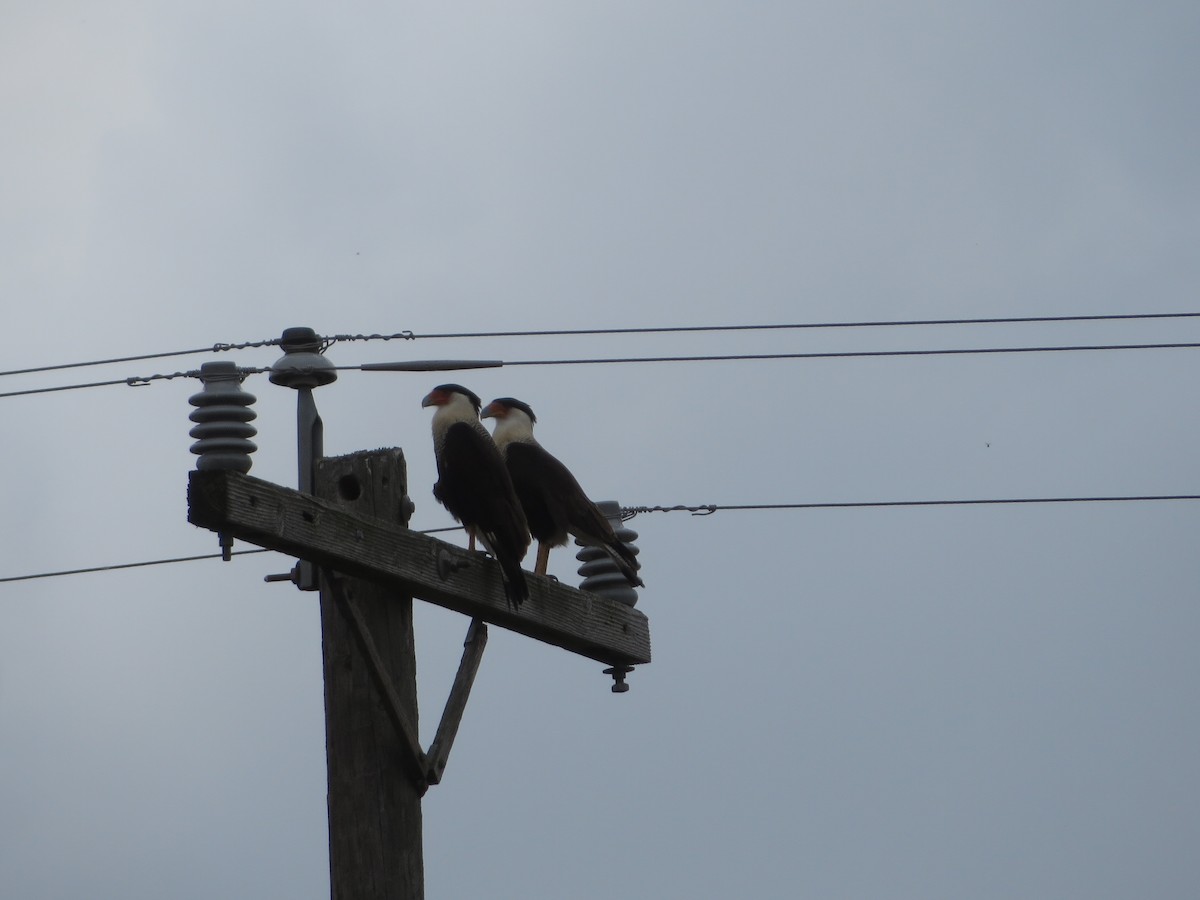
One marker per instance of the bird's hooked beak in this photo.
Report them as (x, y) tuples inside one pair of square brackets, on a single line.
[(433, 398), (491, 411)]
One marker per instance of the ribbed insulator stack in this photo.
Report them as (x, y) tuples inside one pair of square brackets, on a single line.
[(223, 416), (600, 574)]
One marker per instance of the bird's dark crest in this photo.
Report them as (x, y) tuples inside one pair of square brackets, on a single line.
[(459, 389), (517, 404)]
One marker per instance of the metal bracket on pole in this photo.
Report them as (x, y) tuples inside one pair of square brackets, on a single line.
[(302, 367)]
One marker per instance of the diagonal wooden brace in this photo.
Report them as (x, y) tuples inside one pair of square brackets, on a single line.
[(439, 750), (424, 768)]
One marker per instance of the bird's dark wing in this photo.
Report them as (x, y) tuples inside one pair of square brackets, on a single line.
[(555, 502), (474, 485), (468, 471), (541, 483), (553, 498)]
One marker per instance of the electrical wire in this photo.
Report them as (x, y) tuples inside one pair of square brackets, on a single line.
[(577, 332), (213, 348), (134, 381), (679, 329), (164, 562), (133, 565), (843, 354), (452, 365), (629, 512), (69, 387)]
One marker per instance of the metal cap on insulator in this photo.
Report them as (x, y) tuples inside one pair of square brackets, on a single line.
[(599, 573), (302, 365), (223, 416)]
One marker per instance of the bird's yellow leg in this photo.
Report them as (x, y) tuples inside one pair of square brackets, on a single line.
[(543, 559)]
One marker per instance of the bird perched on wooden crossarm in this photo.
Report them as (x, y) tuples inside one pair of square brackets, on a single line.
[(474, 485), (554, 503)]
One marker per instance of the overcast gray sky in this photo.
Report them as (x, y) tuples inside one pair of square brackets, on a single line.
[(984, 702)]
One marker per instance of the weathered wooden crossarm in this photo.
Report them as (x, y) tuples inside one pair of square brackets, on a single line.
[(283, 519)]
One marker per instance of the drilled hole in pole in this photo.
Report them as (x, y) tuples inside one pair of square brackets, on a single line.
[(349, 487)]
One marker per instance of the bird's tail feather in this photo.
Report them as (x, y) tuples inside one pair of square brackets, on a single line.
[(516, 590), (515, 587), (625, 561)]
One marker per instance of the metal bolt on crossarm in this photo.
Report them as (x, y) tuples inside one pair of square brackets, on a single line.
[(618, 674), (223, 430), (302, 368)]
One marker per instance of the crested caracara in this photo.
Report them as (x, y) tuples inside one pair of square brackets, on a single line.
[(554, 503), (474, 485)]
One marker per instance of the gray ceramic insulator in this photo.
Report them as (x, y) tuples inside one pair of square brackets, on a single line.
[(599, 573), (222, 416), (302, 365)]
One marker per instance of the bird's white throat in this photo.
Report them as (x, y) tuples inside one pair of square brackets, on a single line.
[(458, 409), (513, 427)]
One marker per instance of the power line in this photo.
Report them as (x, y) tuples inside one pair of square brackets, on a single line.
[(69, 387), (134, 381), (679, 329), (449, 365), (840, 354), (133, 565), (212, 348), (452, 365), (628, 512), (578, 332), (164, 562)]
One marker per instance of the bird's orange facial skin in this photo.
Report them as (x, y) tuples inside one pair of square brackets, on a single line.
[(435, 398), (494, 410)]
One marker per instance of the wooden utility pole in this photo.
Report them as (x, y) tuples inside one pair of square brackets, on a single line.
[(375, 774), (371, 566)]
